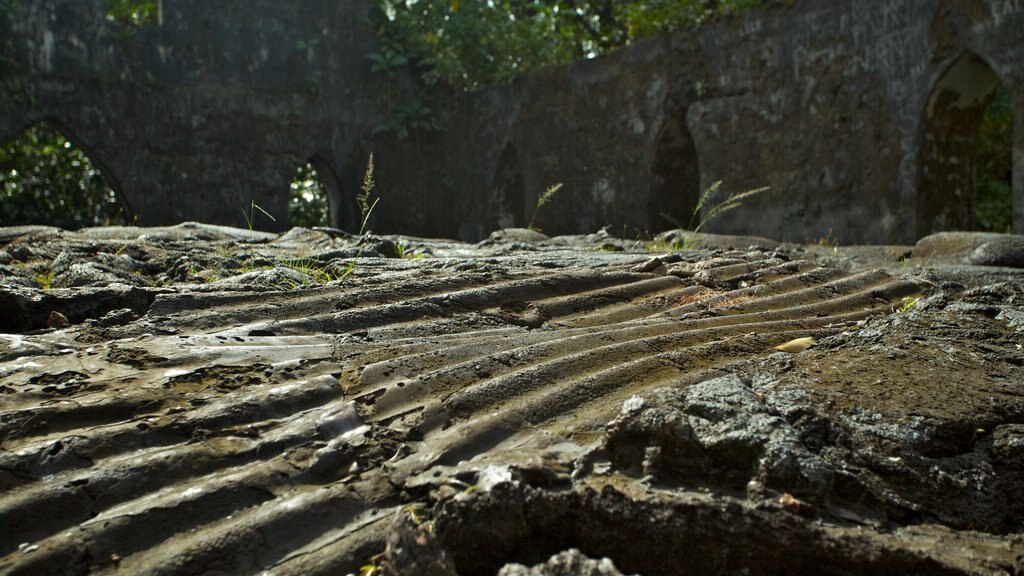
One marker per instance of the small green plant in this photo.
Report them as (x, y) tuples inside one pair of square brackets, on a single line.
[(908, 302), (371, 569), (363, 198), (249, 218), (45, 281), (315, 271), (542, 200), (402, 251), (308, 47)]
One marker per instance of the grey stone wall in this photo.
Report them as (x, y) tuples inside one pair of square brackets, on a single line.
[(860, 115), (196, 117)]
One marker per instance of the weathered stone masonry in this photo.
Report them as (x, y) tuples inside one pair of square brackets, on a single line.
[(861, 116), (196, 117)]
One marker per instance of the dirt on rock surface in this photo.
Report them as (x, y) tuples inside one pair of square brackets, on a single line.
[(199, 399)]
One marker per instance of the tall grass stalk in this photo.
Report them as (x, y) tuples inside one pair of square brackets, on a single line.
[(542, 200), (249, 218), (734, 200), (363, 198)]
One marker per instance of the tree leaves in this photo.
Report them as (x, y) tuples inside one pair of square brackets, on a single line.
[(44, 179), (470, 44)]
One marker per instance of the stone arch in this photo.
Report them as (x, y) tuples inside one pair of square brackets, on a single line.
[(508, 191), (341, 207), (88, 211), (341, 210), (675, 174), (946, 193)]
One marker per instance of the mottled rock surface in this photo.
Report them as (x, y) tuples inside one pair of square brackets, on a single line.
[(307, 403)]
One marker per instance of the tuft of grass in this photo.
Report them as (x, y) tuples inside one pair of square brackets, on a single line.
[(734, 200), (698, 219), (908, 302), (250, 217), (403, 251), (371, 569), (542, 200), (316, 272), (45, 281), (363, 198)]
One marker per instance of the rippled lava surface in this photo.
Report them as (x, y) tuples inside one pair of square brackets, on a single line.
[(198, 400)]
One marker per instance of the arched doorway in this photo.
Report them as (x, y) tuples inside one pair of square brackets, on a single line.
[(675, 175), (508, 191), (46, 177), (315, 198), (948, 170)]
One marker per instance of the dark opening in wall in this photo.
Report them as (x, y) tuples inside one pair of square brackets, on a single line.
[(961, 169), (994, 166), (315, 198), (509, 191), (675, 175), (45, 178)]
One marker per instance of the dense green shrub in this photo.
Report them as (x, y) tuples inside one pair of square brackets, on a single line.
[(45, 179), (307, 200), (994, 166), (470, 44)]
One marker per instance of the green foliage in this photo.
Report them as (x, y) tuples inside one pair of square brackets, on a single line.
[(467, 45), (307, 201), (907, 303), (317, 273), (45, 281), (135, 12), (403, 252), (470, 44), (413, 114), (6, 8), (44, 179), (994, 163)]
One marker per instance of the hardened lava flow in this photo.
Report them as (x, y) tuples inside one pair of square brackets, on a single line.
[(225, 401)]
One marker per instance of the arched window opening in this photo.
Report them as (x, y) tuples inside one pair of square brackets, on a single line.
[(675, 175), (308, 205), (315, 198), (955, 189), (508, 196), (994, 166), (46, 179)]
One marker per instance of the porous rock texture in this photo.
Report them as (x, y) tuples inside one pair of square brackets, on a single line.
[(198, 399)]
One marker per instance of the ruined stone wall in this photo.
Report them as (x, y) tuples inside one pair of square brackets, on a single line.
[(838, 106), (845, 99), (859, 115), (194, 118)]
